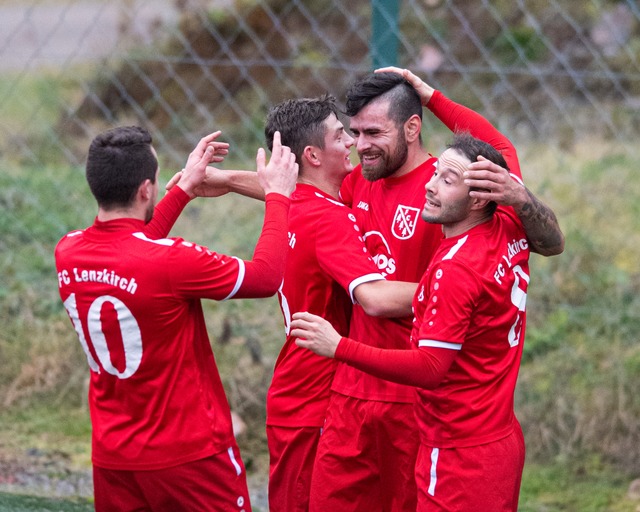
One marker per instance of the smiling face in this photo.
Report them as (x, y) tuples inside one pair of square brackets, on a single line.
[(447, 199), (380, 142), (337, 147)]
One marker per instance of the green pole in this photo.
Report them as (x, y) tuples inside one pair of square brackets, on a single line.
[(384, 43)]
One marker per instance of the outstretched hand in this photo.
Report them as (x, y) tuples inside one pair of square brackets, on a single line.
[(315, 333), (195, 171), (281, 173), (424, 90), (495, 183)]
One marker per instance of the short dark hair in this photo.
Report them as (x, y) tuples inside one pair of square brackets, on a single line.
[(300, 122), (471, 147), (119, 160), (404, 101)]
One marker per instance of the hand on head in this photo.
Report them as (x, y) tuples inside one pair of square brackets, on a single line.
[(424, 90), (494, 183)]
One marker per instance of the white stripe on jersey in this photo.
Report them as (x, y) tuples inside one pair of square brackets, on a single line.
[(160, 241), (433, 474), (452, 252), (440, 344), (239, 280), (232, 458)]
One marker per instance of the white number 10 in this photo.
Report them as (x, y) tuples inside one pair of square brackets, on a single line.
[(131, 337)]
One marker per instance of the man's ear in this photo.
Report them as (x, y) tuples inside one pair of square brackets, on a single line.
[(412, 127), (311, 155), (479, 204), (145, 190)]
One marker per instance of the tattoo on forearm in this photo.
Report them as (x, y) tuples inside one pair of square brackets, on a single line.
[(541, 225)]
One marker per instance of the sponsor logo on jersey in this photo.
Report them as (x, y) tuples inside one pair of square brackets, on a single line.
[(363, 205), (404, 222), (292, 239)]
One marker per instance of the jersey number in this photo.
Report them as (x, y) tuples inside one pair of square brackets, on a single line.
[(131, 337), (519, 300)]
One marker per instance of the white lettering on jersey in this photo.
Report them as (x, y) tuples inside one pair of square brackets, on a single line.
[(514, 247), (404, 222), (292, 239), (385, 262), (363, 205), (105, 276)]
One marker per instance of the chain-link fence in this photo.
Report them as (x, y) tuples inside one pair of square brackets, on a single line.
[(553, 69)]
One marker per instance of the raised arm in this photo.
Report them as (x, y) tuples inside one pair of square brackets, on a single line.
[(540, 223), (170, 207), (264, 273), (218, 182)]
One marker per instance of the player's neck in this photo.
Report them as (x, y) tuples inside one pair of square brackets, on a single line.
[(416, 156), (121, 213), (326, 184), (466, 224)]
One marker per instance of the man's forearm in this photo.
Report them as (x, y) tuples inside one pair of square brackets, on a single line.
[(541, 226)]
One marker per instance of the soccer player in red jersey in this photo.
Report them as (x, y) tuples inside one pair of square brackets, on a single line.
[(162, 438), (328, 268), (467, 336)]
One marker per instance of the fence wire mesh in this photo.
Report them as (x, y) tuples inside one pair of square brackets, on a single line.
[(550, 70)]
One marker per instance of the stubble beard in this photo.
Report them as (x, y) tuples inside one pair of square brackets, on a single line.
[(388, 164)]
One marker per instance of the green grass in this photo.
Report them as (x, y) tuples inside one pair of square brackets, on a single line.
[(575, 487), (21, 503)]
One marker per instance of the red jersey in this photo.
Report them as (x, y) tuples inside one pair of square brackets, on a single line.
[(388, 211), (472, 300), (327, 259), (155, 396)]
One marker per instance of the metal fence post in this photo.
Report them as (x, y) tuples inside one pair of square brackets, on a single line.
[(385, 15)]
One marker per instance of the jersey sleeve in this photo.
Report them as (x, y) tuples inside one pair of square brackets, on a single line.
[(264, 273), (460, 118), (341, 251), (452, 294), (166, 213), (199, 272), (424, 368)]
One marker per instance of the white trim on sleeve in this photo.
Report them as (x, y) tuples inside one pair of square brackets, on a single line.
[(440, 344), (241, 271), (362, 279)]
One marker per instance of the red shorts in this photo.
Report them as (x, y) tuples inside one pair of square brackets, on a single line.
[(366, 457), (483, 478), (214, 483), (291, 453)]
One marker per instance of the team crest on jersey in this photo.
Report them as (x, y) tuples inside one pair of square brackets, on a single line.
[(404, 222)]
